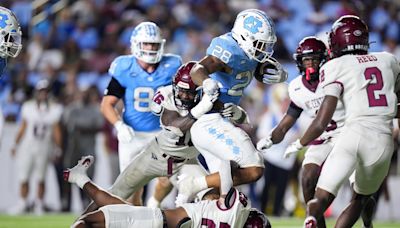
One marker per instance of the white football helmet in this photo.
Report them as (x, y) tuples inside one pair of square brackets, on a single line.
[(255, 33), (10, 34), (147, 32)]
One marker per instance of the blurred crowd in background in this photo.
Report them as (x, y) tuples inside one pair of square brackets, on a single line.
[(72, 43)]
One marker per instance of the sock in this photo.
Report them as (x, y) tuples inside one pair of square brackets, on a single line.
[(201, 183), (81, 180), (153, 202)]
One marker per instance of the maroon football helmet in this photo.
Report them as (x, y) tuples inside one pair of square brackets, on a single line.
[(257, 219), (314, 48), (349, 34), (186, 94)]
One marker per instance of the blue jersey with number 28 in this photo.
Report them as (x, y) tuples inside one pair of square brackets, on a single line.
[(140, 87), (228, 51)]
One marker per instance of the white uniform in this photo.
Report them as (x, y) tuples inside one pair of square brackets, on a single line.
[(165, 154), (209, 214), (37, 142), (309, 99), (204, 213), (367, 86)]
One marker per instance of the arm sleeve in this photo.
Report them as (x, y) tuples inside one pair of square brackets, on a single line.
[(115, 89), (294, 110)]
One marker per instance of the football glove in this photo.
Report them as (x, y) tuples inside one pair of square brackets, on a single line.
[(205, 105), (274, 74), (264, 143), (125, 133), (293, 148), (210, 86)]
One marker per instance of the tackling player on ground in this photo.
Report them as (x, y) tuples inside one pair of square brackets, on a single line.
[(114, 212)]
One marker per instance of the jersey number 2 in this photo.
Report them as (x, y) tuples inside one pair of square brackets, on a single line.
[(372, 73)]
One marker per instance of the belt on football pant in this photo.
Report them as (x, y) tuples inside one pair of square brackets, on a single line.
[(171, 160)]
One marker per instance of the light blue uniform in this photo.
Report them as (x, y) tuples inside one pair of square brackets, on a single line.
[(140, 88), (228, 51)]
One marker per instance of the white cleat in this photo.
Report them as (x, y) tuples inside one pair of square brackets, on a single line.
[(71, 175), (18, 209)]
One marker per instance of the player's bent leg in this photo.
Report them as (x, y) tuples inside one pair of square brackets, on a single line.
[(352, 212), (99, 196)]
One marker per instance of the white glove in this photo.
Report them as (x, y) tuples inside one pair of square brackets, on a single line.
[(264, 143), (124, 132), (276, 75), (210, 86), (205, 105), (231, 111), (293, 148)]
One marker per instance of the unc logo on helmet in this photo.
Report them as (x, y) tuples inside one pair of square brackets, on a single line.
[(147, 33), (10, 34), (255, 33)]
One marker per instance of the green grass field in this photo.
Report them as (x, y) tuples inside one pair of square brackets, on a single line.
[(65, 220)]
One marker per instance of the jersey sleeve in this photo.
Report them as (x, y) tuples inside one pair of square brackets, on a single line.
[(156, 105), (330, 79), (119, 67), (222, 49)]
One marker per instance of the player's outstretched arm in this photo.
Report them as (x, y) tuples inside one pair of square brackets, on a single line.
[(319, 124)]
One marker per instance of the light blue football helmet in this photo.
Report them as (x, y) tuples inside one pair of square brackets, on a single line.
[(10, 34), (147, 32), (255, 33)]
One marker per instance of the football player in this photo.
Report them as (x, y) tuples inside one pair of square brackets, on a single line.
[(34, 143), (169, 150), (306, 96), (368, 85), (230, 62), (10, 37), (114, 212), (135, 79)]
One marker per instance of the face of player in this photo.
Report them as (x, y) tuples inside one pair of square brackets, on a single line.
[(311, 62), (186, 96), (150, 46), (42, 95)]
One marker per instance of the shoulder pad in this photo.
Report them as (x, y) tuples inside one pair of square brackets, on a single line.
[(120, 64)]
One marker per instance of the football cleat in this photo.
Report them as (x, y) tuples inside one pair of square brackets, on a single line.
[(71, 175), (310, 222)]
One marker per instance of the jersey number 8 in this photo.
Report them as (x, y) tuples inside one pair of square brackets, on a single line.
[(143, 96)]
